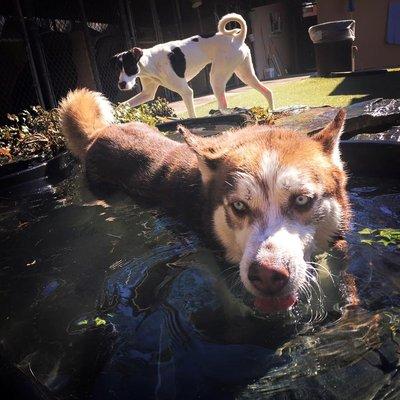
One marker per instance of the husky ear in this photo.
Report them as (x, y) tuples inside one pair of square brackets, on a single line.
[(329, 137), (208, 155)]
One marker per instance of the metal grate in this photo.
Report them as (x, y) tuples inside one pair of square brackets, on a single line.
[(108, 39), (56, 39), (71, 43)]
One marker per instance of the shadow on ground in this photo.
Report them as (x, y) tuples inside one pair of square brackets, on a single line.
[(385, 85)]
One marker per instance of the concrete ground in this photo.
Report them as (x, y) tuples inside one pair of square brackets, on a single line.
[(179, 106)]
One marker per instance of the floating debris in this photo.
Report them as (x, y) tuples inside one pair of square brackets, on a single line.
[(31, 264), (386, 236)]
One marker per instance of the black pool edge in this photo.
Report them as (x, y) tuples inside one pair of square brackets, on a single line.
[(23, 172), (371, 158)]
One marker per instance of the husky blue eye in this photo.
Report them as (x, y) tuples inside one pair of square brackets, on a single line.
[(302, 200), (239, 206)]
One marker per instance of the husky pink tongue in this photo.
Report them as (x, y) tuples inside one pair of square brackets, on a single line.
[(273, 305)]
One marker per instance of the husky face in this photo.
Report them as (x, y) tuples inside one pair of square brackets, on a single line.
[(276, 197)]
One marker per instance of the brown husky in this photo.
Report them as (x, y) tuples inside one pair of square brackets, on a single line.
[(270, 197)]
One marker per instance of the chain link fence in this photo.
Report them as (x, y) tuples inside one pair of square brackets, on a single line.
[(17, 89), (49, 47)]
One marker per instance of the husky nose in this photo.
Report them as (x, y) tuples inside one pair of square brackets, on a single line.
[(268, 279), (122, 85)]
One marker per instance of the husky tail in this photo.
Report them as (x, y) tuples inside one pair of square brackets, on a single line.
[(83, 113), (239, 33)]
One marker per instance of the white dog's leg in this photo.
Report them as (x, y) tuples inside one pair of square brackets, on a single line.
[(218, 79), (147, 94), (187, 97), (185, 91), (245, 72)]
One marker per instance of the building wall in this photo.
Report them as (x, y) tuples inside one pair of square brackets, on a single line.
[(266, 43), (371, 19)]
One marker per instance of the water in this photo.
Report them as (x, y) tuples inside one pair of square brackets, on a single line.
[(122, 302)]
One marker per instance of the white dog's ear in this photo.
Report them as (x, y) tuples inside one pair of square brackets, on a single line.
[(137, 53), (329, 137), (209, 155)]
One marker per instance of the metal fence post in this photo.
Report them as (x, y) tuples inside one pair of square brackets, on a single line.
[(131, 24), (178, 18), (91, 51), (32, 66), (156, 21), (43, 67), (124, 23)]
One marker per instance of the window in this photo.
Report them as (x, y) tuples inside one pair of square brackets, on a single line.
[(276, 22)]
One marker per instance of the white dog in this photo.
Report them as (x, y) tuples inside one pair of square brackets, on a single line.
[(175, 63)]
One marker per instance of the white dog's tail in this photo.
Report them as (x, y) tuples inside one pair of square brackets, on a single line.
[(83, 113), (239, 33)]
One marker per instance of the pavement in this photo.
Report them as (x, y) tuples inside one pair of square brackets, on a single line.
[(179, 106)]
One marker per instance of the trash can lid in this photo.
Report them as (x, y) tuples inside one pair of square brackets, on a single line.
[(333, 31)]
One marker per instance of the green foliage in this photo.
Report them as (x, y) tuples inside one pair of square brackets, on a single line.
[(159, 108), (31, 133), (36, 133), (150, 113), (261, 115), (258, 115), (385, 237), (125, 113)]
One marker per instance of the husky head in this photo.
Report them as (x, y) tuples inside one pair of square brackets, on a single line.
[(127, 68), (276, 196)]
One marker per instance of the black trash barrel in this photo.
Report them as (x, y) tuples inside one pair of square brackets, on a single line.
[(333, 44)]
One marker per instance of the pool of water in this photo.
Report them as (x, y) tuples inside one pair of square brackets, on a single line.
[(121, 302)]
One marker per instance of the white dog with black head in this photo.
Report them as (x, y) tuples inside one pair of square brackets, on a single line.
[(175, 63)]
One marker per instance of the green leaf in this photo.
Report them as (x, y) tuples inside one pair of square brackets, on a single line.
[(386, 242), (390, 233), (367, 241), (83, 322), (99, 321), (367, 231)]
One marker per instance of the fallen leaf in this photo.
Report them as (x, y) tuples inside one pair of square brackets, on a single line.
[(367, 241), (99, 321), (31, 264), (366, 231), (5, 152)]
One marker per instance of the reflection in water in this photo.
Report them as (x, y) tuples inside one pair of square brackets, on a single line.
[(115, 302)]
